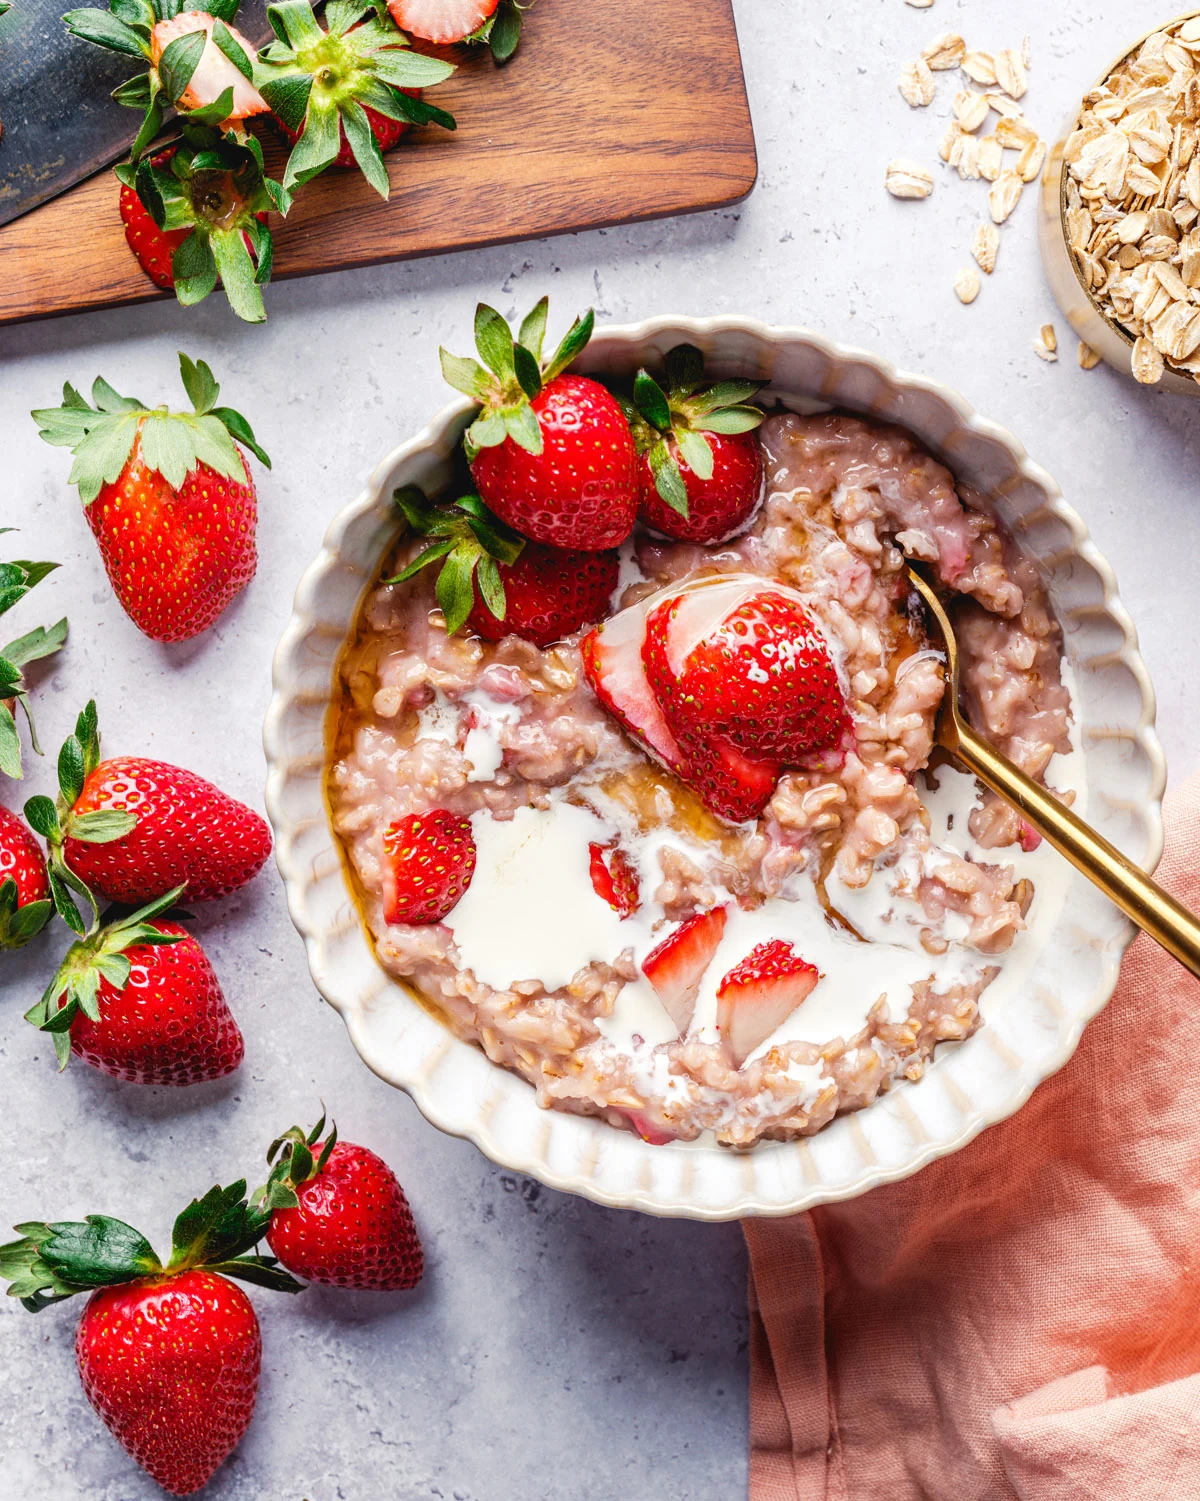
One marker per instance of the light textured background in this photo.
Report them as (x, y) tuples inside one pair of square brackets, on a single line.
[(555, 1350)]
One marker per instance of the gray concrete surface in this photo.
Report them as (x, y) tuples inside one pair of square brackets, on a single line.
[(556, 1350)]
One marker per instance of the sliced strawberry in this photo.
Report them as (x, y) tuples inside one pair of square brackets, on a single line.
[(759, 994), (651, 1134), (612, 662), (214, 72), (676, 967), (429, 860), (731, 784), (441, 21), (615, 878)]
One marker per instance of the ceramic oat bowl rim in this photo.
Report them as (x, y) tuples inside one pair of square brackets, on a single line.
[(969, 1085)]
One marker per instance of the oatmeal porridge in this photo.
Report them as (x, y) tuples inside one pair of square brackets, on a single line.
[(896, 891)]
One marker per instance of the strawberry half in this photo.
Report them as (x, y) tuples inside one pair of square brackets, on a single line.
[(613, 665), (731, 784), (759, 994), (676, 967), (25, 904), (551, 452), (702, 467), (429, 859), (169, 1355), (614, 878), (139, 1001), (495, 582), (339, 1215), (209, 197), (441, 21), (169, 499), (197, 62), (345, 94)]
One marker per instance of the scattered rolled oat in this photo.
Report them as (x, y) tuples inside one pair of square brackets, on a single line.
[(1010, 72), (1045, 345), (980, 68), (985, 243), (990, 157), (970, 109), (919, 4), (1133, 200), (908, 179), (1029, 163), (1088, 358), (917, 85), (945, 52), (1004, 196), (966, 285)]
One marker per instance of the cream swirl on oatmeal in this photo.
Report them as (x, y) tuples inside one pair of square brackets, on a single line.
[(849, 861)]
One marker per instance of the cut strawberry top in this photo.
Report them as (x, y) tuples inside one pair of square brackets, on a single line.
[(759, 994), (214, 72)]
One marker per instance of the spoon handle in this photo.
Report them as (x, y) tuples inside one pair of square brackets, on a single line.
[(1140, 898)]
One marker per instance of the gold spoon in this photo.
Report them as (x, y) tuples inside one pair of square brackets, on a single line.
[(1140, 898)]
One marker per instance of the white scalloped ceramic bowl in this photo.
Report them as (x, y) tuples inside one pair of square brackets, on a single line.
[(969, 1086)]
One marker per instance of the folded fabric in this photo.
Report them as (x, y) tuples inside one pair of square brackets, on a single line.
[(1021, 1319)]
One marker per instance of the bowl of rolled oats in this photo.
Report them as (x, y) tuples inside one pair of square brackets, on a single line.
[(1119, 221)]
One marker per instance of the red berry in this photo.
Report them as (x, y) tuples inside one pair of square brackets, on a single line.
[(152, 246), (169, 1024), (171, 1364), (582, 490), (429, 859), (549, 593), (676, 967), (614, 878), (441, 21), (353, 1226), (759, 994), (187, 831), (21, 859), (613, 665), (718, 508)]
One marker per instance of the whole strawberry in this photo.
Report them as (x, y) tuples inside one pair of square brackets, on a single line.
[(346, 94), (339, 1215), (429, 859), (497, 584), (140, 1001), (552, 453), (130, 828), (169, 499), (169, 1356), (25, 905), (702, 467)]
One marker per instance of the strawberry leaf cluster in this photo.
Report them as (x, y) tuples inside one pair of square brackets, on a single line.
[(320, 83), (17, 578), (512, 374), (293, 1162), (218, 1232), (681, 414), (471, 541), (102, 436)]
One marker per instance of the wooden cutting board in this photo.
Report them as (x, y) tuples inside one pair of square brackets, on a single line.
[(612, 111)]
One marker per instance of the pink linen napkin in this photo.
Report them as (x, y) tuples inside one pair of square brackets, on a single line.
[(1021, 1319)]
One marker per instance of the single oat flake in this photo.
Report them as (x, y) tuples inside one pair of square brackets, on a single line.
[(966, 285), (1147, 363), (908, 179), (1045, 344), (985, 244), (1088, 358), (1004, 196), (919, 4), (945, 52), (917, 85)]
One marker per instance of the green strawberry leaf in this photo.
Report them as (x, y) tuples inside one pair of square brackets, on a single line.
[(737, 419), (237, 274), (194, 268), (259, 1271), (239, 429), (71, 771), (317, 147), (696, 451), (287, 95), (167, 447), (178, 62), (532, 333), (685, 369), (152, 124), (98, 1252), (422, 560), (101, 826), (726, 393), (42, 641), (574, 342), (522, 426), (293, 22), (42, 817), (651, 401), (454, 590), (388, 101), (494, 341), (212, 114), (667, 479), (465, 375), (103, 29), (491, 586), (215, 1228), (528, 374), (505, 32), (232, 48), (488, 430), (199, 383), (10, 745), (364, 147)]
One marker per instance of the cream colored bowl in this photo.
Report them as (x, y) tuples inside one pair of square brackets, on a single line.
[(969, 1086)]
